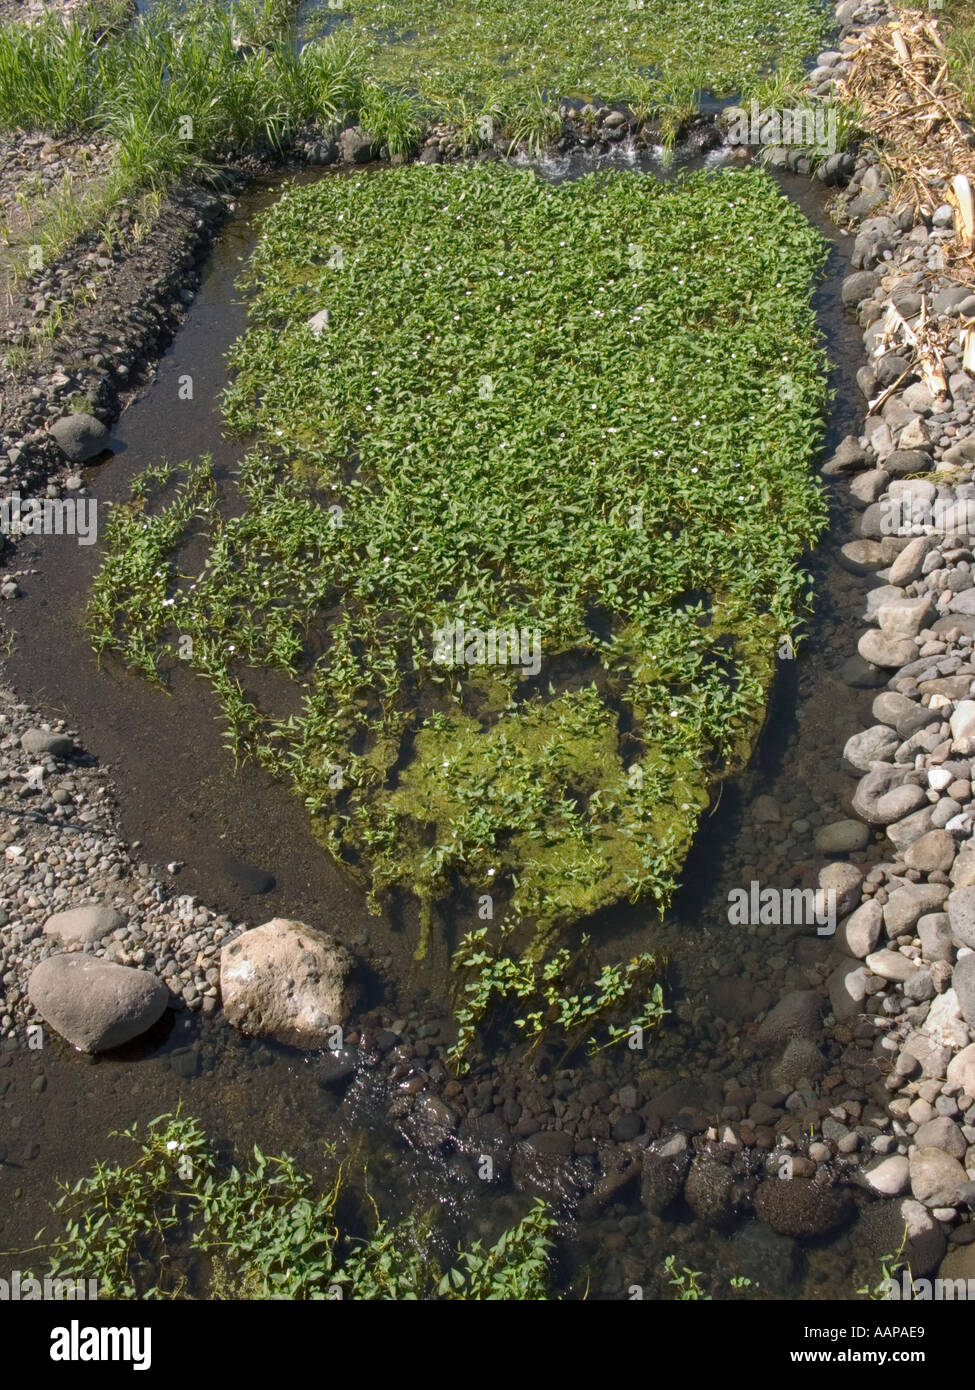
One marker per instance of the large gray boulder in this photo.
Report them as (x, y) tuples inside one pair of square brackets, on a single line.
[(886, 650), (80, 437), (356, 146), (93, 1003), (288, 981), (938, 1180), (41, 743)]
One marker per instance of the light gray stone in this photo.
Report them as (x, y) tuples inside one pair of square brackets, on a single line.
[(42, 743), (94, 1003), (288, 981), (860, 933), (934, 932), (938, 1180), (961, 1070), (906, 617), (891, 965), (933, 852), (842, 837), (847, 987), (845, 881), (90, 922), (963, 983), (909, 564), (890, 1177), (961, 916), (941, 1133), (907, 905), (877, 744), (886, 651)]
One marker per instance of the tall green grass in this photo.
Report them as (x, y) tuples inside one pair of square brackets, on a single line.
[(178, 92), (49, 77), (179, 85)]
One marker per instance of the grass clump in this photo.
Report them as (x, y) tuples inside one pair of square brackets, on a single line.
[(174, 1214), (582, 413), (179, 92), (188, 85), (48, 76)]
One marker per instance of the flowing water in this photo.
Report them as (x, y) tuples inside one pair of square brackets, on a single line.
[(183, 798)]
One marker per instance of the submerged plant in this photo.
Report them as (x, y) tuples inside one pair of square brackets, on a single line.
[(890, 1267), (451, 49), (538, 990), (685, 1281)]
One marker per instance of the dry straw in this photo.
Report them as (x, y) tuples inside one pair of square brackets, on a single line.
[(900, 74)]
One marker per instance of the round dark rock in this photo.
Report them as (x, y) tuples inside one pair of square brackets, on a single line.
[(709, 1192), (332, 1068), (801, 1208), (80, 437)]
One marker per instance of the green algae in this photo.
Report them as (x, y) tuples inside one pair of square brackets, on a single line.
[(632, 482)]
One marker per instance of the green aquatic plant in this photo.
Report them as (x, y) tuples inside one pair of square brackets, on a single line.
[(494, 980), (266, 1231), (137, 574), (583, 414), (447, 49), (890, 1267), (686, 1282), (516, 1267), (186, 86)]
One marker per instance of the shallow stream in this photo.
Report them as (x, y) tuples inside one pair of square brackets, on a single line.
[(182, 797)]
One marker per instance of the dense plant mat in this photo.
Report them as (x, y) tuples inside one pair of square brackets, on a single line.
[(582, 413), (660, 50), (191, 84)]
